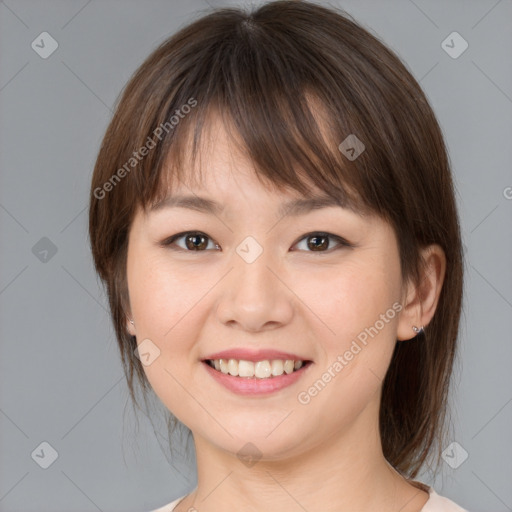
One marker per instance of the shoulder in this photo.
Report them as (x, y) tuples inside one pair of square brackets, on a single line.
[(169, 507), (437, 503)]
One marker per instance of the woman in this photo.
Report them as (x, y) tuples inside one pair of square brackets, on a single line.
[(273, 215)]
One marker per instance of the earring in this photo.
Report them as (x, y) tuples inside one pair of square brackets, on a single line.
[(417, 330), (131, 321)]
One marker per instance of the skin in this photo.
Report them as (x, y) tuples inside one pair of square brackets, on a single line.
[(322, 456)]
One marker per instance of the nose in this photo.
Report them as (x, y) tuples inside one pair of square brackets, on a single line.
[(255, 296)]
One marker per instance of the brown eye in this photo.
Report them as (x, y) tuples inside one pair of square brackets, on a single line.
[(320, 242), (194, 241)]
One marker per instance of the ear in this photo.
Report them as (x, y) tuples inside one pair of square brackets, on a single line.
[(126, 308), (420, 301), (129, 326)]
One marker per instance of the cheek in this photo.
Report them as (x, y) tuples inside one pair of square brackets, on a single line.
[(356, 354), (357, 306), (159, 295), (163, 304), (354, 298), (170, 307)]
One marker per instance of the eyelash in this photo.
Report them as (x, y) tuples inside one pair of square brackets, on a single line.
[(168, 242)]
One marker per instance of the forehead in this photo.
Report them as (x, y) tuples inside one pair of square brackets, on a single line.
[(206, 204), (221, 171)]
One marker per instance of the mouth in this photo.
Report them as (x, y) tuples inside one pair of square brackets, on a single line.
[(251, 371), (257, 370), (256, 378)]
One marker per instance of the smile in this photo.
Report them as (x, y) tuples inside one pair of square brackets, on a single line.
[(256, 378), (266, 369)]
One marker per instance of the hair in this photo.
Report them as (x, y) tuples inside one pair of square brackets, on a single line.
[(291, 80)]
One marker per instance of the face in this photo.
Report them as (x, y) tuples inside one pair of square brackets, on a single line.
[(249, 283)]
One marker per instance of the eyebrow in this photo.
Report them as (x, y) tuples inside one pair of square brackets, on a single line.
[(292, 208)]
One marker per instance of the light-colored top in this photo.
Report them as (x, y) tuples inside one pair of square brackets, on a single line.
[(435, 503)]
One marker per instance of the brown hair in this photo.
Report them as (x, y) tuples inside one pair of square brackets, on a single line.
[(271, 73)]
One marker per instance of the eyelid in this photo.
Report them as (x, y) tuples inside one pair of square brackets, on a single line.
[(171, 239), (342, 242)]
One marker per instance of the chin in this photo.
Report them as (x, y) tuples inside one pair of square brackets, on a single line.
[(259, 441)]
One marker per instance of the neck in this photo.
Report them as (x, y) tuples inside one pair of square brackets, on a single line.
[(344, 473)]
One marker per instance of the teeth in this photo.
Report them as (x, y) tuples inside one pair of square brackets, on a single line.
[(288, 366), (245, 369), (233, 367), (260, 369), (223, 365), (277, 367)]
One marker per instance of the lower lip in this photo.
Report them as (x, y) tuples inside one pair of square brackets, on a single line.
[(253, 385)]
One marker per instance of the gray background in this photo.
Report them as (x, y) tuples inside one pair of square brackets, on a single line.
[(60, 376)]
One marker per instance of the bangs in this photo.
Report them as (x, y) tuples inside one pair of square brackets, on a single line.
[(282, 155), (282, 110)]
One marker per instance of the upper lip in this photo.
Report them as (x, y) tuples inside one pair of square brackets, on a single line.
[(254, 355)]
